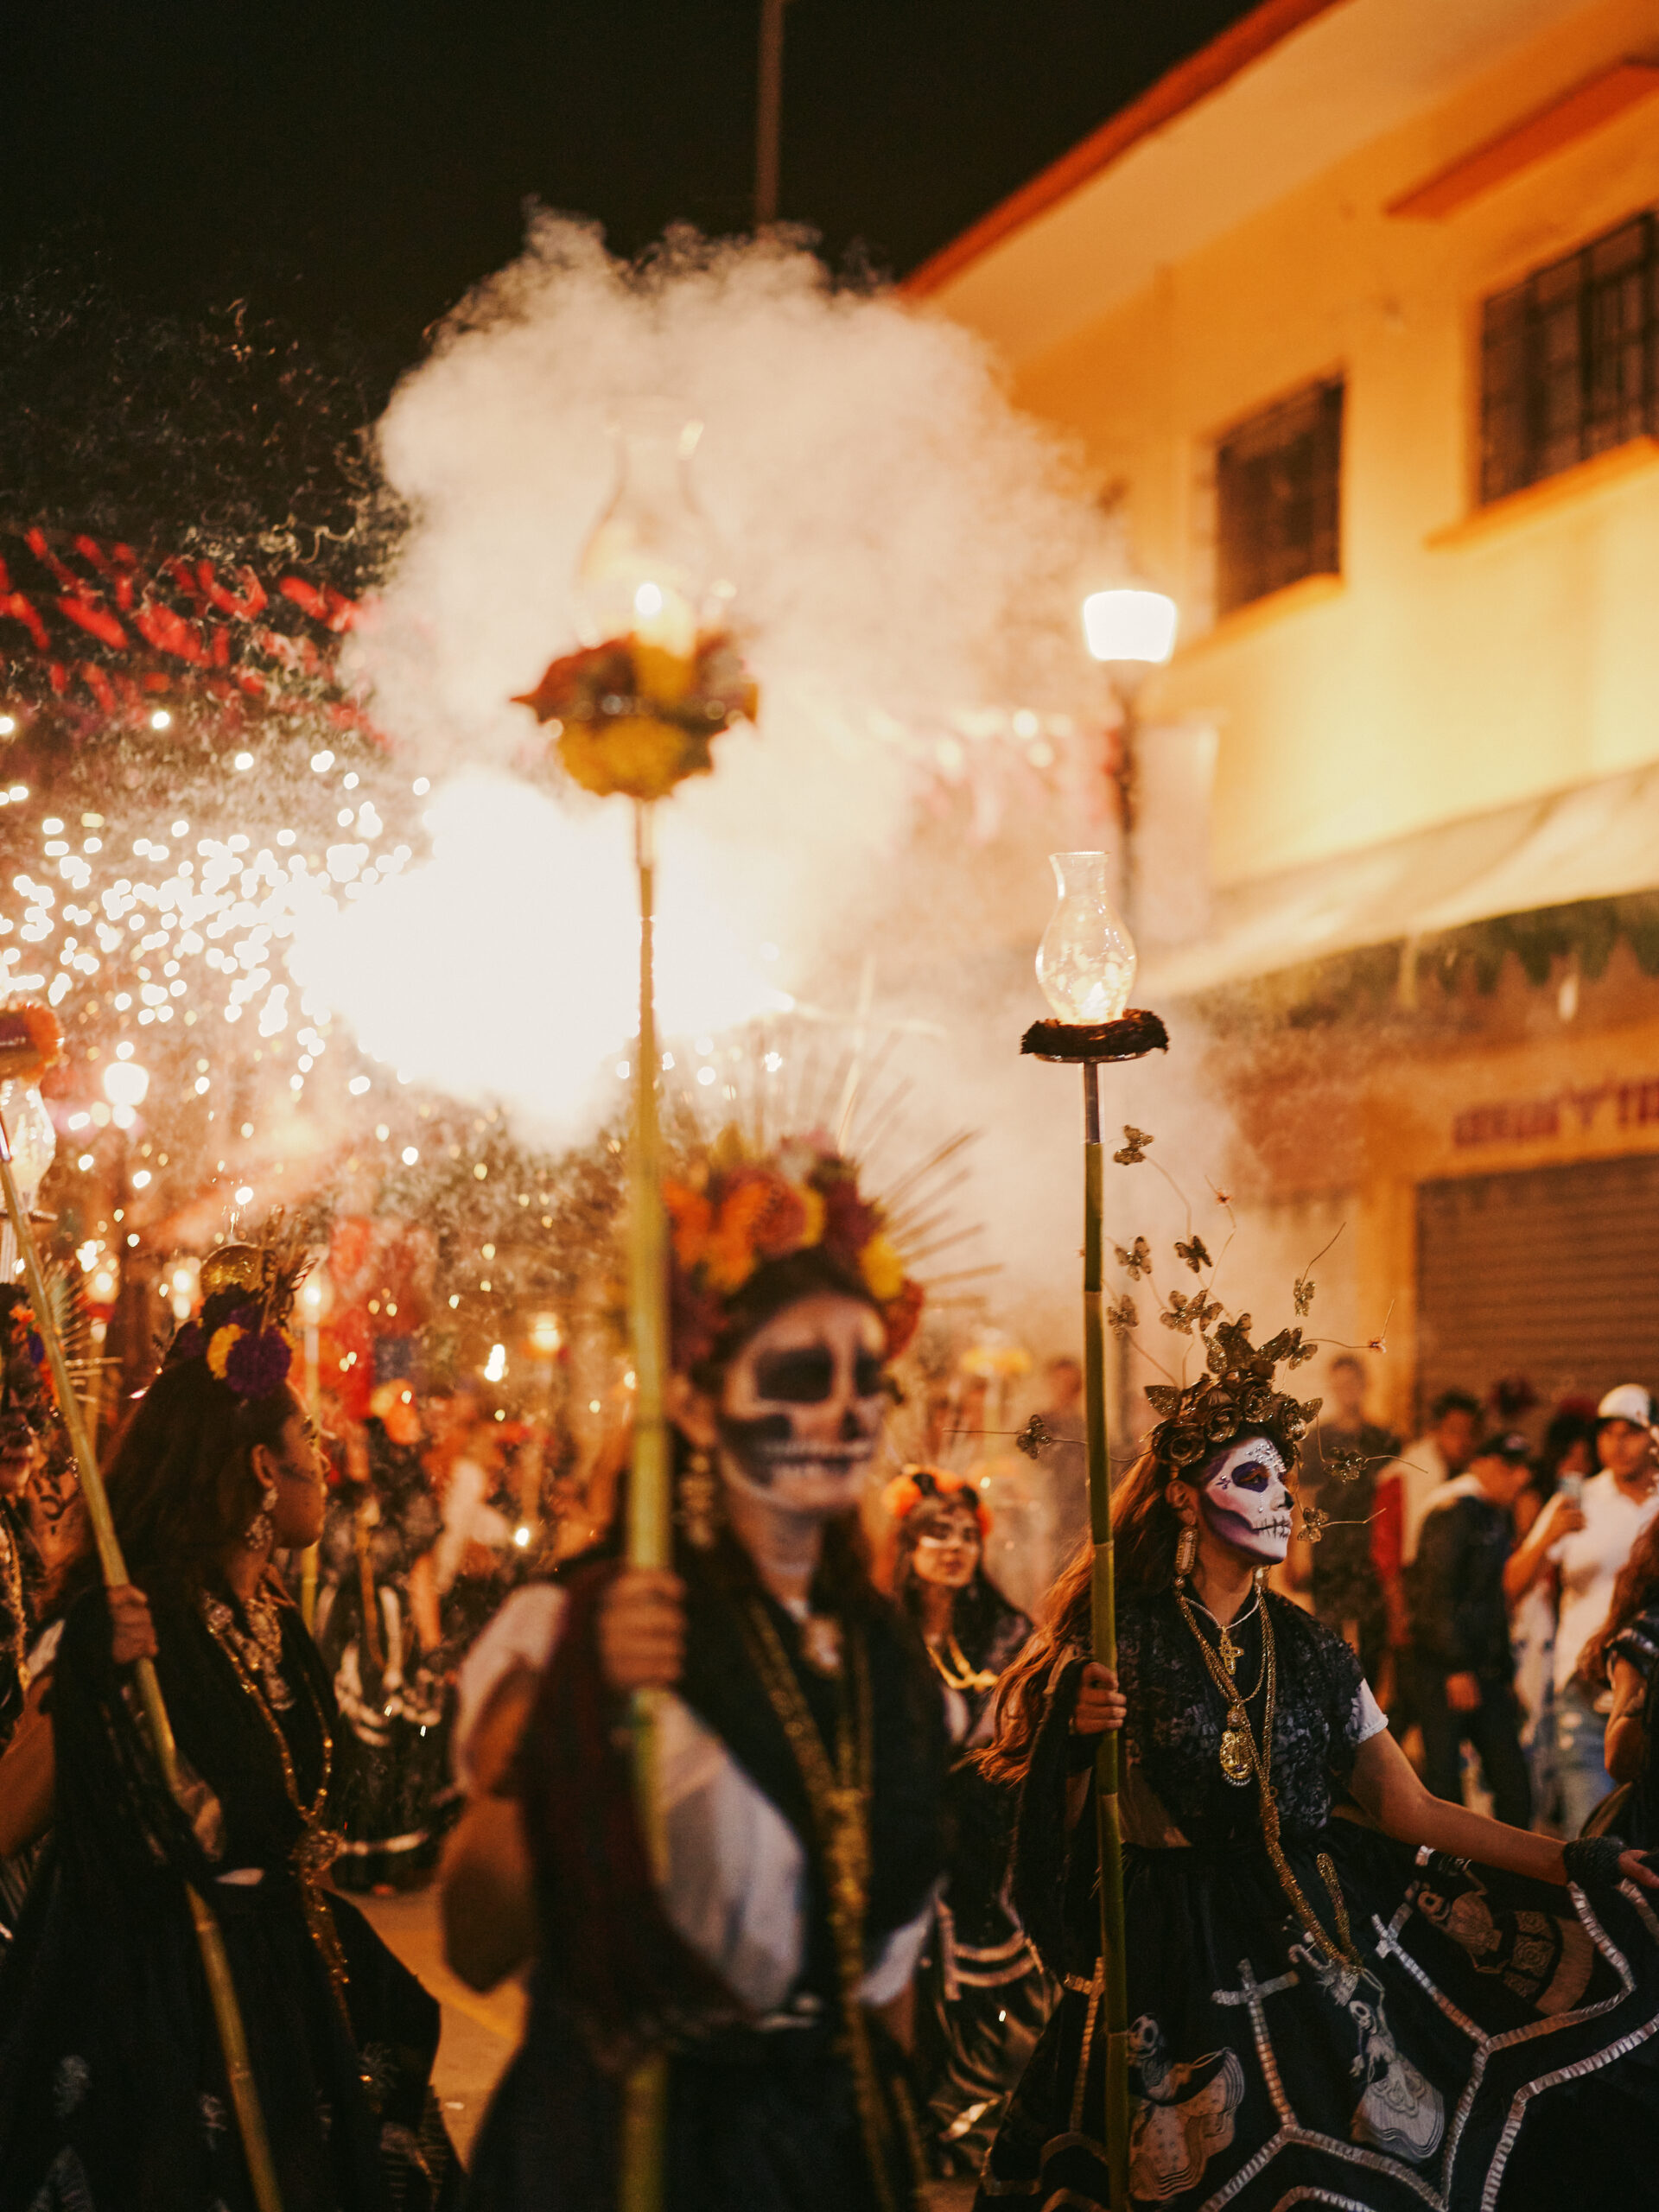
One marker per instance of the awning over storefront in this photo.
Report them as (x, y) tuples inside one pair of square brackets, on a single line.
[(1596, 841)]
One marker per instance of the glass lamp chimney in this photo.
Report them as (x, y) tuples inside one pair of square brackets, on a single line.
[(652, 570), (1086, 961)]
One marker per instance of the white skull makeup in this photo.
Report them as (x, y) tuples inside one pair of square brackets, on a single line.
[(1244, 1498), (802, 1404)]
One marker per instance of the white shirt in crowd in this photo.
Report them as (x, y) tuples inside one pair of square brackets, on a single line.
[(1590, 1559), (1420, 1472), (468, 1518), (736, 1869)]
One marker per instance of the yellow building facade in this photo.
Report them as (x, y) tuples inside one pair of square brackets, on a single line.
[(1433, 828)]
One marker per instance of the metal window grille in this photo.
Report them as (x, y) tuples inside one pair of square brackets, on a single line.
[(1570, 359), (1277, 480)]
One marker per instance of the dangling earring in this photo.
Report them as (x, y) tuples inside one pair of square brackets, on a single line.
[(1186, 1553), (699, 1513), (260, 1529), (1260, 1579)]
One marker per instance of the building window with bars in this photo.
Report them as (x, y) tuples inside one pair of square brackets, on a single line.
[(1278, 488), (1568, 360)]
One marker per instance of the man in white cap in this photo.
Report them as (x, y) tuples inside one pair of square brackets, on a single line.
[(1617, 1505)]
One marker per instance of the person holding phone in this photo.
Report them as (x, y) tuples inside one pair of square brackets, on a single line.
[(1616, 1507)]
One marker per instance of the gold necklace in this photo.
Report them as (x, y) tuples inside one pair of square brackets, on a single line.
[(1238, 1742), (1231, 1653), (318, 1847), (964, 1676), (838, 1797)]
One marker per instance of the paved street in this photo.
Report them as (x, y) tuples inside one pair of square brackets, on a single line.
[(479, 2033)]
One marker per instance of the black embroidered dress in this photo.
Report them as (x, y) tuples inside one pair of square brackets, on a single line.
[(982, 1993), (391, 1695), (1494, 2047), (113, 2095)]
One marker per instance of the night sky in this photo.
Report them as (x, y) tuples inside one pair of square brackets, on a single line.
[(348, 167)]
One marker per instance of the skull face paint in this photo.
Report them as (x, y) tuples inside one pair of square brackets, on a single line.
[(802, 1403), (1245, 1500)]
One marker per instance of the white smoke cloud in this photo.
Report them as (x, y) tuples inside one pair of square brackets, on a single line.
[(909, 553)]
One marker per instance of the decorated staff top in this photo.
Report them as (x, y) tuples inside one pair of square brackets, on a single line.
[(30, 1042), (639, 718), (638, 708)]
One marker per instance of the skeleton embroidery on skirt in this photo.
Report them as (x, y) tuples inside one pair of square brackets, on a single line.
[(1399, 2110), (1183, 2118)]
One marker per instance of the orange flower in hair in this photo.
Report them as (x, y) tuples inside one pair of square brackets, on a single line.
[(920, 1485)]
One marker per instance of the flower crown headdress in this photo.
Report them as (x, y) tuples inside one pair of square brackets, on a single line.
[(1238, 1392), (732, 1214), (247, 1297), (921, 1485)]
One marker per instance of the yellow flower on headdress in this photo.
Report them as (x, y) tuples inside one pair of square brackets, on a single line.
[(222, 1344), (812, 1207), (882, 1270)]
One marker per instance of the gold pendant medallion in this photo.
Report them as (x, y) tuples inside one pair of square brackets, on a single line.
[(1236, 1763), (1229, 1653)]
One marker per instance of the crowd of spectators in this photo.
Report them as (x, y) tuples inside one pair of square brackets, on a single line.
[(1477, 1573)]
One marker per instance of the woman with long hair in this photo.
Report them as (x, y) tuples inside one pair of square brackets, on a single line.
[(1340, 1988), (982, 1995), (1625, 1653), (800, 1754), (113, 2090)]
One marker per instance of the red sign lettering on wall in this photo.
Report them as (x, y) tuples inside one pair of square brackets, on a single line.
[(1526, 1120)]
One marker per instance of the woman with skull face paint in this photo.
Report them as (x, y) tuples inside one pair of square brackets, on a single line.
[(982, 1994), (1339, 1987), (801, 1757)]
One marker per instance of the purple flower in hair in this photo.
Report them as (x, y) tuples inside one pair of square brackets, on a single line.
[(258, 1363), (189, 1342)]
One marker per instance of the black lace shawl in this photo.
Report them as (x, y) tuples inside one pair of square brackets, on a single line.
[(116, 1824), (1174, 1778)]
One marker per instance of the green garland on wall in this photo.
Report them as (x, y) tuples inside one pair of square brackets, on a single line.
[(1321, 994)]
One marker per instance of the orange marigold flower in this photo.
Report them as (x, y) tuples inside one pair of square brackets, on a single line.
[(732, 1257), (691, 1219)]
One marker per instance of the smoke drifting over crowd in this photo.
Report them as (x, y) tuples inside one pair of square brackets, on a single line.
[(908, 552)]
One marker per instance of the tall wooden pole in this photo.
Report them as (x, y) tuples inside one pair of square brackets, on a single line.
[(1109, 1823), (650, 1488), (216, 1966), (768, 126)]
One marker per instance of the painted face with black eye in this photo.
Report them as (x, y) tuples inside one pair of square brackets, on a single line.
[(1245, 1500), (802, 1404)]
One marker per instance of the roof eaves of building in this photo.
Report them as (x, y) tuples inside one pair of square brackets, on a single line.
[(1238, 129), (1171, 96), (1593, 841)]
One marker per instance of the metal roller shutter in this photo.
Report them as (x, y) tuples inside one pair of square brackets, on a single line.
[(1552, 1273)]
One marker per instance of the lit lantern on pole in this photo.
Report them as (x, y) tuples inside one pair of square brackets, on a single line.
[(1086, 967), (635, 712)]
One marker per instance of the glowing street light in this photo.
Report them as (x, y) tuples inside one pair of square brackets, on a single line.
[(1129, 626)]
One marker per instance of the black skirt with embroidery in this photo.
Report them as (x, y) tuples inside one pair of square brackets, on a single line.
[(113, 2091), (1496, 2045)]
